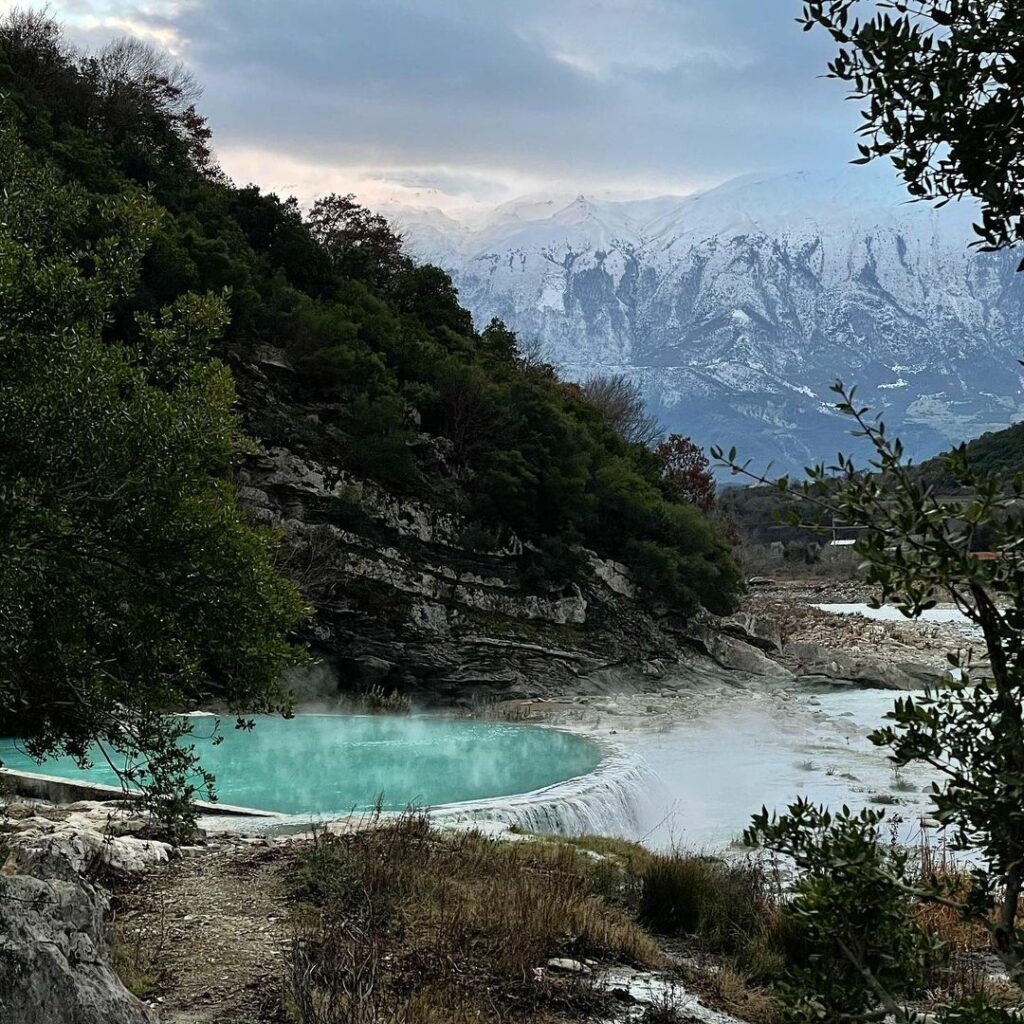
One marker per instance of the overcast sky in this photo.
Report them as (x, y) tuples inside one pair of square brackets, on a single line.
[(486, 99)]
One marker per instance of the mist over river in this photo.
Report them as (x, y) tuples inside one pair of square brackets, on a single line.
[(709, 775)]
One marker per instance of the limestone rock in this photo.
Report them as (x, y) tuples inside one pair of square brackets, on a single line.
[(736, 654), (66, 851), (568, 966), (365, 671), (811, 663), (759, 630), (614, 575), (54, 965), (413, 594), (744, 657), (431, 617)]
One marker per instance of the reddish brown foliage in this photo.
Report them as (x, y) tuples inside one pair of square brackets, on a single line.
[(686, 466), (361, 243)]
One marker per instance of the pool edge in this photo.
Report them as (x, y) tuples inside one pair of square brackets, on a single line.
[(39, 786)]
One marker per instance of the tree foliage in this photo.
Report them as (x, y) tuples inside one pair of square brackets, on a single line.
[(686, 467), (861, 946), (131, 585), (359, 243), (943, 86), (942, 83), (1000, 452)]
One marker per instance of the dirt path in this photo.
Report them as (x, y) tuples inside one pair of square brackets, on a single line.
[(208, 936)]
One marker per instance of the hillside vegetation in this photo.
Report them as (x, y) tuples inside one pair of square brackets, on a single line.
[(1000, 452), (762, 514), (383, 338)]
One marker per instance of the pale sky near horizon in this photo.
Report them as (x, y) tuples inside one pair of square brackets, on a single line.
[(461, 102)]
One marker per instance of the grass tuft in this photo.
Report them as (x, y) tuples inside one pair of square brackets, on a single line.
[(727, 906)]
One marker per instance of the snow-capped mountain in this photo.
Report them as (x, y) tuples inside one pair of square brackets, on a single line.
[(736, 308)]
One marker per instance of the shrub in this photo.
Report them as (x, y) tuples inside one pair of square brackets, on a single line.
[(726, 906), (862, 946)]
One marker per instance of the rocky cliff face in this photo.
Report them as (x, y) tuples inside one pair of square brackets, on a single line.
[(404, 597), (737, 308)]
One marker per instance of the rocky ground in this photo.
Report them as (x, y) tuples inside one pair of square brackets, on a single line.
[(100, 926), (900, 642), (130, 931), (55, 909)]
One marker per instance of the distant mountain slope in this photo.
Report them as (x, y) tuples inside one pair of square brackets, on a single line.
[(1000, 452), (737, 308)]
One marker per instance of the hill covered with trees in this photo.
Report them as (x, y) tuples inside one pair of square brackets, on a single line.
[(351, 362), (999, 451)]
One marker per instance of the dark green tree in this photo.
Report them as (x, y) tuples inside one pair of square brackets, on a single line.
[(130, 583), (942, 88)]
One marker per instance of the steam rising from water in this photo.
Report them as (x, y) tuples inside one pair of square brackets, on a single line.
[(697, 784), (758, 750)]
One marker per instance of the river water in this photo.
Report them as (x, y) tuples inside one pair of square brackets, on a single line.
[(711, 775)]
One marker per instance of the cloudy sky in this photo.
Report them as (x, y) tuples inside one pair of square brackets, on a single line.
[(474, 101)]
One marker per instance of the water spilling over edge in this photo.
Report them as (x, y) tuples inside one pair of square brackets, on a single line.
[(611, 800)]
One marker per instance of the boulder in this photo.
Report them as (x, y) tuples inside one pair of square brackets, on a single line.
[(743, 657), (738, 655), (759, 630), (54, 966), (68, 852), (615, 576)]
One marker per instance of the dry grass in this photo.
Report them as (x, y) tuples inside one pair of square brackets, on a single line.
[(491, 708), (402, 926), (962, 976), (731, 990), (948, 925), (398, 925), (940, 868)]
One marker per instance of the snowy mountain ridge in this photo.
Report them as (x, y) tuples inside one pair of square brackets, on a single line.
[(736, 308)]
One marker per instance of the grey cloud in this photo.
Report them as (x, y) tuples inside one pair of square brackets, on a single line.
[(378, 52), (603, 91)]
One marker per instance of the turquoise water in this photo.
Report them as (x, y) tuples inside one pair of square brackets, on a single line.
[(334, 764)]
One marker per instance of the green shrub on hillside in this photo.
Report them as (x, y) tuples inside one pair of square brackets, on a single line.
[(131, 583), (380, 340)]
